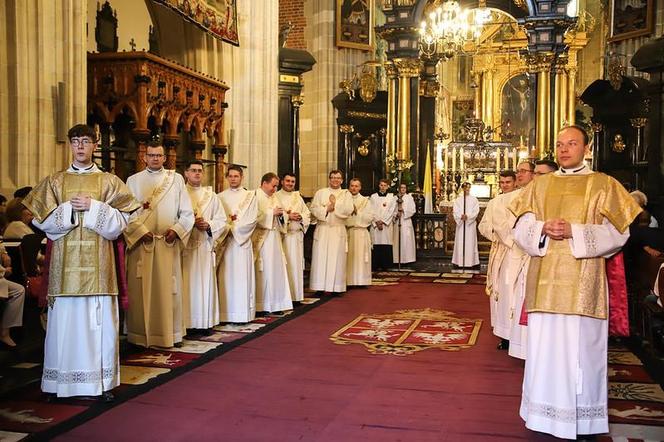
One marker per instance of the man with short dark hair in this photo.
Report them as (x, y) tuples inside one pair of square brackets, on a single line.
[(488, 227), (198, 255), (542, 167), (82, 210), (525, 172), (358, 270), (297, 219), (158, 315), (569, 221), (384, 207), (331, 206), (236, 274), (273, 294)]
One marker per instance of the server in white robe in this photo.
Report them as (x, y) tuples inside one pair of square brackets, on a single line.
[(13, 295), (82, 210), (331, 207), (236, 274), (518, 339), (297, 223), (273, 294), (384, 207), (487, 227), (568, 222), (155, 236), (403, 239), (465, 211), (358, 272), (198, 256)]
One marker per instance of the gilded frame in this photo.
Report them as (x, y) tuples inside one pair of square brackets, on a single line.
[(348, 34), (619, 15)]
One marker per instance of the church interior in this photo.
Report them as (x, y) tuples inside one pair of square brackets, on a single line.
[(427, 93)]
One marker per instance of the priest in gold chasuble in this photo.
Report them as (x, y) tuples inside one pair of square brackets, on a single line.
[(156, 234), (569, 222), (82, 210)]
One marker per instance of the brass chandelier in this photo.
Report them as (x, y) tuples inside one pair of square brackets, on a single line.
[(449, 27)]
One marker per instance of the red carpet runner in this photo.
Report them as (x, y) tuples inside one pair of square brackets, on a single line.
[(295, 384)]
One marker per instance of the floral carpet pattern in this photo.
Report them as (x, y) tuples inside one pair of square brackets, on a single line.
[(405, 332)]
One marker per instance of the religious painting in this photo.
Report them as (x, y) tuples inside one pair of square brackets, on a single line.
[(461, 109), (216, 17), (354, 24), (519, 110), (631, 19)]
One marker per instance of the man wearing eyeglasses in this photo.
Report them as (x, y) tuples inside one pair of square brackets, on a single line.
[(155, 237), (569, 221), (525, 172), (82, 210)]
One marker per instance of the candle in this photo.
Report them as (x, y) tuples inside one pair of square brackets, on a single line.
[(453, 160), (515, 156), (461, 168), (445, 160), (497, 161), (506, 156)]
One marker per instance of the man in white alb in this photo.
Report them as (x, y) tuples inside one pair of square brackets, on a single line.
[(403, 232), (273, 294), (298, 219), (384, 207), (465, 211), (198, 256), (569, 222), (82, 210), (331, 206), (156, 233), (236, 274), (487, 227), (359, 240)]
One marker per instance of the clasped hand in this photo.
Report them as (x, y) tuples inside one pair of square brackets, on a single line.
[(169, 237), (201, 224), (557, 229), (294, 216), (278, 211), (330, 206), (81, 203)]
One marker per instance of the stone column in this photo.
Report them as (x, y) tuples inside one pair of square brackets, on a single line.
[(141, 137), (408, 70), (170, 149), (390, 140), (346, 130), (44, 45)]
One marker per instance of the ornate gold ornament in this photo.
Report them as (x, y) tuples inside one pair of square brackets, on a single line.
[(616, 73), (372, 115), (618, 143), (363, 149), (346, 128), (408, 67), (368, 86)]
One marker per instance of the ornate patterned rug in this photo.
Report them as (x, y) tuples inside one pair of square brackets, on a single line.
[(405, 332), (634, 398)]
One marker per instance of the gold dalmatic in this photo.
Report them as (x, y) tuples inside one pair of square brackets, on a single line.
[(82, 261), (559, 282)]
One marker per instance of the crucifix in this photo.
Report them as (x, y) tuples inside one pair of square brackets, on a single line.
[(132, 43)]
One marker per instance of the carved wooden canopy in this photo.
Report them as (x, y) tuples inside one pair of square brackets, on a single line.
[(150, 86)]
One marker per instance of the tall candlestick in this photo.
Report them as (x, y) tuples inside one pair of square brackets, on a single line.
[(515, 157), (454, 151), (497, 160), (445, 160), (461, 159), (506, 156)]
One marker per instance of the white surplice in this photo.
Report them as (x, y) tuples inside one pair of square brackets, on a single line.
[(487, 229), (273, 292), (13, 295), (328, 259), (81, 355), (565, 379), (292, 202), (407, 236), (236, 273), (472, 210), (17, 230), (384, 208), (358, 271), (510, 269), (199, 259), (159, 311)]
